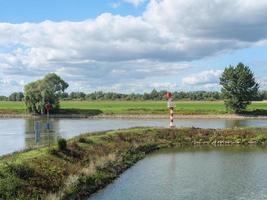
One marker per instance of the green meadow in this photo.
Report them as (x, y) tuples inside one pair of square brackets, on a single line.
[(135, 107)]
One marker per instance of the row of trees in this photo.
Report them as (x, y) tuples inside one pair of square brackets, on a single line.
[(153, 95), (15, 96)]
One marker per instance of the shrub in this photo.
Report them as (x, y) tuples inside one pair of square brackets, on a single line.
[(85, 140), (62, 144), (20, 170), (82, 140)]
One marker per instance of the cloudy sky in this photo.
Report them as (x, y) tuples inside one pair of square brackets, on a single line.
[(130, 45)]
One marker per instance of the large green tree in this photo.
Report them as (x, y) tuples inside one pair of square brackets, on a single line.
[(47, 90), (239, 87)]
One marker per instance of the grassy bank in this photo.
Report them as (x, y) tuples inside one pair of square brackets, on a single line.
[(136, 107), (92, 161)]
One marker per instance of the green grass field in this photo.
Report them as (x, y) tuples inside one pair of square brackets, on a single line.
[(134, 107)]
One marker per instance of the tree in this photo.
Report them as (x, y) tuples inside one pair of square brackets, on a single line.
[(238, 87), (16, 96), (3, 98), (47, 90)]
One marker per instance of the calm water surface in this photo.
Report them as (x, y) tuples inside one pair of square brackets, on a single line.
[(232, 173), (18, 134)]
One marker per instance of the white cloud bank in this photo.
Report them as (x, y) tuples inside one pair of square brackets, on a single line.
[(205, 77), (206, 80), (111, 49)]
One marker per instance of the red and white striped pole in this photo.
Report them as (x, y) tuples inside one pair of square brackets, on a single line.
[(171, 117), (170, 105)]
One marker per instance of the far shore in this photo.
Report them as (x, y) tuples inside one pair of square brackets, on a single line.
[(139, 116)]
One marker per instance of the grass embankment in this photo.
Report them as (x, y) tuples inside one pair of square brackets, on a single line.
[(137, 107), (92, 161), (11, 107)]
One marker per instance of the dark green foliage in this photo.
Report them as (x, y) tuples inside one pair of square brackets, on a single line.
[(85, 140), (3, 98), (82, 140), (239, 87), (62, 144), (153, 95), (9, 187), (41, 92), (16, 96), (21, 171)]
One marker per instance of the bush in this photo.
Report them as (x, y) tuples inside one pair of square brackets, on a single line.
[(85, 140), (21, 171), (82, 140), (62, 144)]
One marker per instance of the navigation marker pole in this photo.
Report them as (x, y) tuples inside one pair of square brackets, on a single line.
[(171, 117), (170, 105)]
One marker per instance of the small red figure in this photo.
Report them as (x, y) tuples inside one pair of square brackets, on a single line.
[(48, 107)]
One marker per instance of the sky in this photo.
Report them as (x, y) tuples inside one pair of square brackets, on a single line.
[(131, 45)]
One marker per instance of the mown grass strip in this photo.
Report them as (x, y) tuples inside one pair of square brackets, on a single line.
[(136, 107)]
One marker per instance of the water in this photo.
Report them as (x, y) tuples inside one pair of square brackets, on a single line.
[(18, 134), (232, 173)]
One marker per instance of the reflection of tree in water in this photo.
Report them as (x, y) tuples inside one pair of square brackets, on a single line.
[(44, 136), (233, 123), (29, 133)]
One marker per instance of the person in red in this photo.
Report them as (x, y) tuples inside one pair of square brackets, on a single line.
[(48, 107)]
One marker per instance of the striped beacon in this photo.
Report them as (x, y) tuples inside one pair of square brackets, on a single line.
[(170, 105)]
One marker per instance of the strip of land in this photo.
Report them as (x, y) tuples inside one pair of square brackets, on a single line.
[(91, 161), (139, 109)]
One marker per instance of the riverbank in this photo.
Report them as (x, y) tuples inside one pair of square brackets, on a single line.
[(91, 161), (139, 116), (134, 109)]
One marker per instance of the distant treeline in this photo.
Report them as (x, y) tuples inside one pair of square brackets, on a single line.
[(15, 96), (153, 95)]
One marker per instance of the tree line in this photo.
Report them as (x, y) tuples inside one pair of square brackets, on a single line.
[(154, 95)]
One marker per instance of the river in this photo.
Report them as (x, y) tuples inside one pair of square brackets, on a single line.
[(225, 173), (17, 134)]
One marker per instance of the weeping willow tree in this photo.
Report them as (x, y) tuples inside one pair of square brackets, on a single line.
[(40, 92)]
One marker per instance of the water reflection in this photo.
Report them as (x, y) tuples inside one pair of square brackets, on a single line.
[(47, 136), (18, 134), (233, 123)]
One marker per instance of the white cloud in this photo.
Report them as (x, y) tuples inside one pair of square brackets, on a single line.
[(203, 78), (115, 4), (113, 49), (135, 2), (240, 20)]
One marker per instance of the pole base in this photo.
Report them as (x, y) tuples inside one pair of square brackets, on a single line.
[(172, 125)]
